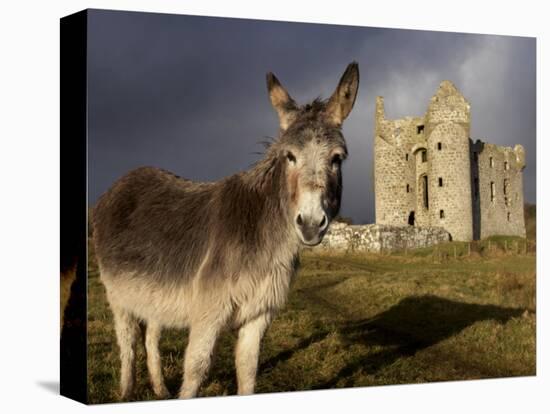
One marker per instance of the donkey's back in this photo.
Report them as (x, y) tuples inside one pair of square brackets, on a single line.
[(151, 236), (153, 223)]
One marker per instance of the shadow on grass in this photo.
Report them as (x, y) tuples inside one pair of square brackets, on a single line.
[(415, 323), (287, 354)]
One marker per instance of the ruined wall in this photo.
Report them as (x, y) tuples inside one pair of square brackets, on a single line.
[(377, 238), (394, 167), (500, 171)]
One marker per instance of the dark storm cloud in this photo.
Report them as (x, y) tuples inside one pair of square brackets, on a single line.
[(188, 93)]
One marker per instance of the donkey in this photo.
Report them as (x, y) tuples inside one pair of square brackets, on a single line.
[(215, 255)]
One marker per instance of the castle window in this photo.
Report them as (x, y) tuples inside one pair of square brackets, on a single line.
[(407, 157), (441, 214), (425, 188), (506, 166), (420, 129), (491, 162), (492, 191), (439, 146), (440, 181), (508, 216), (408, 188), (424, 155)]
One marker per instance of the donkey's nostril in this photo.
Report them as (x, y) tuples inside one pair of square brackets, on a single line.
[(299, 220), (323, 222)]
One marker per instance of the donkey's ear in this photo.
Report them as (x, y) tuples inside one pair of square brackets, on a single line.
[(341, 102), (281, 101)]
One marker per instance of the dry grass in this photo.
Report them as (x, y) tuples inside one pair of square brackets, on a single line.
[(362, 320)]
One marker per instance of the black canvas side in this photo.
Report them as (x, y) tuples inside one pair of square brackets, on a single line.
[(73, 127)]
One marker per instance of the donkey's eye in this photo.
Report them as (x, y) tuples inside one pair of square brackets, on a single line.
[(290, 157)]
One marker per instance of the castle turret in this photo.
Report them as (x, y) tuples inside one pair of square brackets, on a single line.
[(386, 165), (519, 151), (379, 111), (448, 155)]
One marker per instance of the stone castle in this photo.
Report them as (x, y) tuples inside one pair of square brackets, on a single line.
[(429, 172)]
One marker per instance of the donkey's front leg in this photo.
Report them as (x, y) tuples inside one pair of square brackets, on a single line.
[(154, 365), (202, 339), (247, 352)]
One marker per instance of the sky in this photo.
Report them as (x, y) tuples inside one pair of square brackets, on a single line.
[(188, 93)]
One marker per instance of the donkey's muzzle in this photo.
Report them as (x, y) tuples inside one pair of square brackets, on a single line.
[(311, 229)]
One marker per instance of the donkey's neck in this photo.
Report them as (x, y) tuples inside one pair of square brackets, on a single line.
[(266, 182)]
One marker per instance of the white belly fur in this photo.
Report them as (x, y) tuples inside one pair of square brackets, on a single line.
[(176, 305)]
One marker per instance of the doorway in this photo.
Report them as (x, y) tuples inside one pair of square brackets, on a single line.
[(411, 218)]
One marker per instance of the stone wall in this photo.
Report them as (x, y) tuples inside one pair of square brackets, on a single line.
[(378, 238), (501, 168), (449, 180), (394, 166)]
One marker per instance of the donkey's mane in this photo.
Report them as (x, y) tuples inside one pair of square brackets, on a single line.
[(314, 107)]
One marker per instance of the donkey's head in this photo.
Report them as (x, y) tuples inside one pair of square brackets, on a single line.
[(312, 147)]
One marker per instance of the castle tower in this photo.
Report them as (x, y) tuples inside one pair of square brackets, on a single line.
[(449, 169), (384, 163)]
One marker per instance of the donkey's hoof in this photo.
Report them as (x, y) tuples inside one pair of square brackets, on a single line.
[(162, 393), (125, 396)]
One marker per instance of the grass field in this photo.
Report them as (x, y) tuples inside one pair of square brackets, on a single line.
[(362, 320)]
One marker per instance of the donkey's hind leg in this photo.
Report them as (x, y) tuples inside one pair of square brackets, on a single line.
[(127, 332), (247, 352), (152, 337)]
